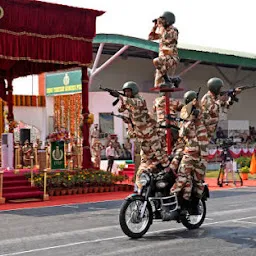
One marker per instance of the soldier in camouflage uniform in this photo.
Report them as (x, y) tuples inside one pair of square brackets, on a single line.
[(144, 129), (212, 103), (168, 53), (159, 112), (96, 152), (194, 160)]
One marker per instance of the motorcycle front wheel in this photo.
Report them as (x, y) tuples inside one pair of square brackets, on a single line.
[(129, 218), (195, 221)]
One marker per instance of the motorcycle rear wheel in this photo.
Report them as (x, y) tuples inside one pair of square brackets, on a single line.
[(194, 221), (129, 218)]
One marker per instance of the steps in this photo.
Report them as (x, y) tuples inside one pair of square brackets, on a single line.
[(129, 171), (16, 186)]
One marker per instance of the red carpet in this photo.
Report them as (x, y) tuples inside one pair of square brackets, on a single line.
[(16, 186), (97, 197)]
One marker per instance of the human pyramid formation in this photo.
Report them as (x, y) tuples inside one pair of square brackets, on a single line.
[(199, 120)]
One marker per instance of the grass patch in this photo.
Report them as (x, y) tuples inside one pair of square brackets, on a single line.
[(215, 173)]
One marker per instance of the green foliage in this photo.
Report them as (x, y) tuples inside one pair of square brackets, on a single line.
[(243, 161), (245, 169), (76, 178)]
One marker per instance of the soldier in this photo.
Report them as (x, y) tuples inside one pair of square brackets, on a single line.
[(168, 53), (128, 148), (212, 104), (159, 111), (144, 128), (27, 152), (194, 160), (96, 151), (95, 133)]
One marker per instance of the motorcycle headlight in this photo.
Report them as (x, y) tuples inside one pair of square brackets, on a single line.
[(144, 179), (161, 184)]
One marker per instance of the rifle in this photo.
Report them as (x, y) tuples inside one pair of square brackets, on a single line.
[(232, 92), (172, 118), (195, 111), (126, 119), (113, 93)]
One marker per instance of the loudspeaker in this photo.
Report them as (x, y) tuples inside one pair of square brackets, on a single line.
[(24, 135)]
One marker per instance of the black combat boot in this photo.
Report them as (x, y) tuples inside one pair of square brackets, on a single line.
[(185, 205), (166, 79), (194, 210)]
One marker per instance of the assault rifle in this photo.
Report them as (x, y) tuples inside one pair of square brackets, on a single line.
[(113, 93), (195, 111), (232, 93), (172, 118), (126, 119)]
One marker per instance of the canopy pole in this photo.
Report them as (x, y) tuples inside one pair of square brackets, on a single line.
[(189, 68), (109, 61), (87, 162), (10, 116)]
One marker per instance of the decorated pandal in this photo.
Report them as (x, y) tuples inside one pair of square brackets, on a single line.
[(38, 156), (236, 151), (67, 113)]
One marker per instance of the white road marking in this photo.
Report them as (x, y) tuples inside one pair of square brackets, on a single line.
[(245, 222), (70, 206), (114, 238)]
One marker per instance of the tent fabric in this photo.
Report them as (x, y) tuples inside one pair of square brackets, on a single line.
[(37, 37)]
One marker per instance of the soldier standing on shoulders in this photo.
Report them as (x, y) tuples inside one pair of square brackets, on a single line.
[(168, 53)]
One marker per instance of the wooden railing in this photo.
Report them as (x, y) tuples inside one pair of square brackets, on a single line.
[(2, 199), (46, 196)]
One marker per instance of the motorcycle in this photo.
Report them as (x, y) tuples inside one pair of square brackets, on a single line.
[(153, 201)]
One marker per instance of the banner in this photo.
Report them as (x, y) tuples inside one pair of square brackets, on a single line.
[(63, 83), (57, 155)]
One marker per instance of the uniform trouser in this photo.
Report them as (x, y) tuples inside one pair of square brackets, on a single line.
[(162, 135), (152, 148), (177, 155), (163, 64), (198, 178), (97, 159), (146, 165), (189, 167)]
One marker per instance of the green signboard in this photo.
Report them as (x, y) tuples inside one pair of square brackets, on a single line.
[(63, 83), (57, 155)]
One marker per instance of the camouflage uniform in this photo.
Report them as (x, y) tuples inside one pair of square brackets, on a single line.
[(146, 132), (159, 111), (96, 152), (168, 53), (194, 160), (211, 107)]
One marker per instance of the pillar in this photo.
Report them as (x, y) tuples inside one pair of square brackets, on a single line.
[(10, 116), (87, 163)]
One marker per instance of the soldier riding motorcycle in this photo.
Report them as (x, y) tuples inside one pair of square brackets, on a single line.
[(153, 201)]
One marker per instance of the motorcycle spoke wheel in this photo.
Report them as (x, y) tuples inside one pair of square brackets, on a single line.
[(195, 221), (130, 221)]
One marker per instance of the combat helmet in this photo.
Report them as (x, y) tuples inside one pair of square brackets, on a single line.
[(169, 18), (214, 85), (131, 85), (189, 96)]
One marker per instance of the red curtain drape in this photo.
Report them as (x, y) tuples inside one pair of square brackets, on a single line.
[(38, 37)]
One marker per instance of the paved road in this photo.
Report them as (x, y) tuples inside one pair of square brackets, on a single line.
[(92, 229)]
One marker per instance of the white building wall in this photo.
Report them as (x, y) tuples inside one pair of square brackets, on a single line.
[(142, 72), (35, 116)]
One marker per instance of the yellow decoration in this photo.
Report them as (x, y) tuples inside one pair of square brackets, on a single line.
[(90, 118)]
